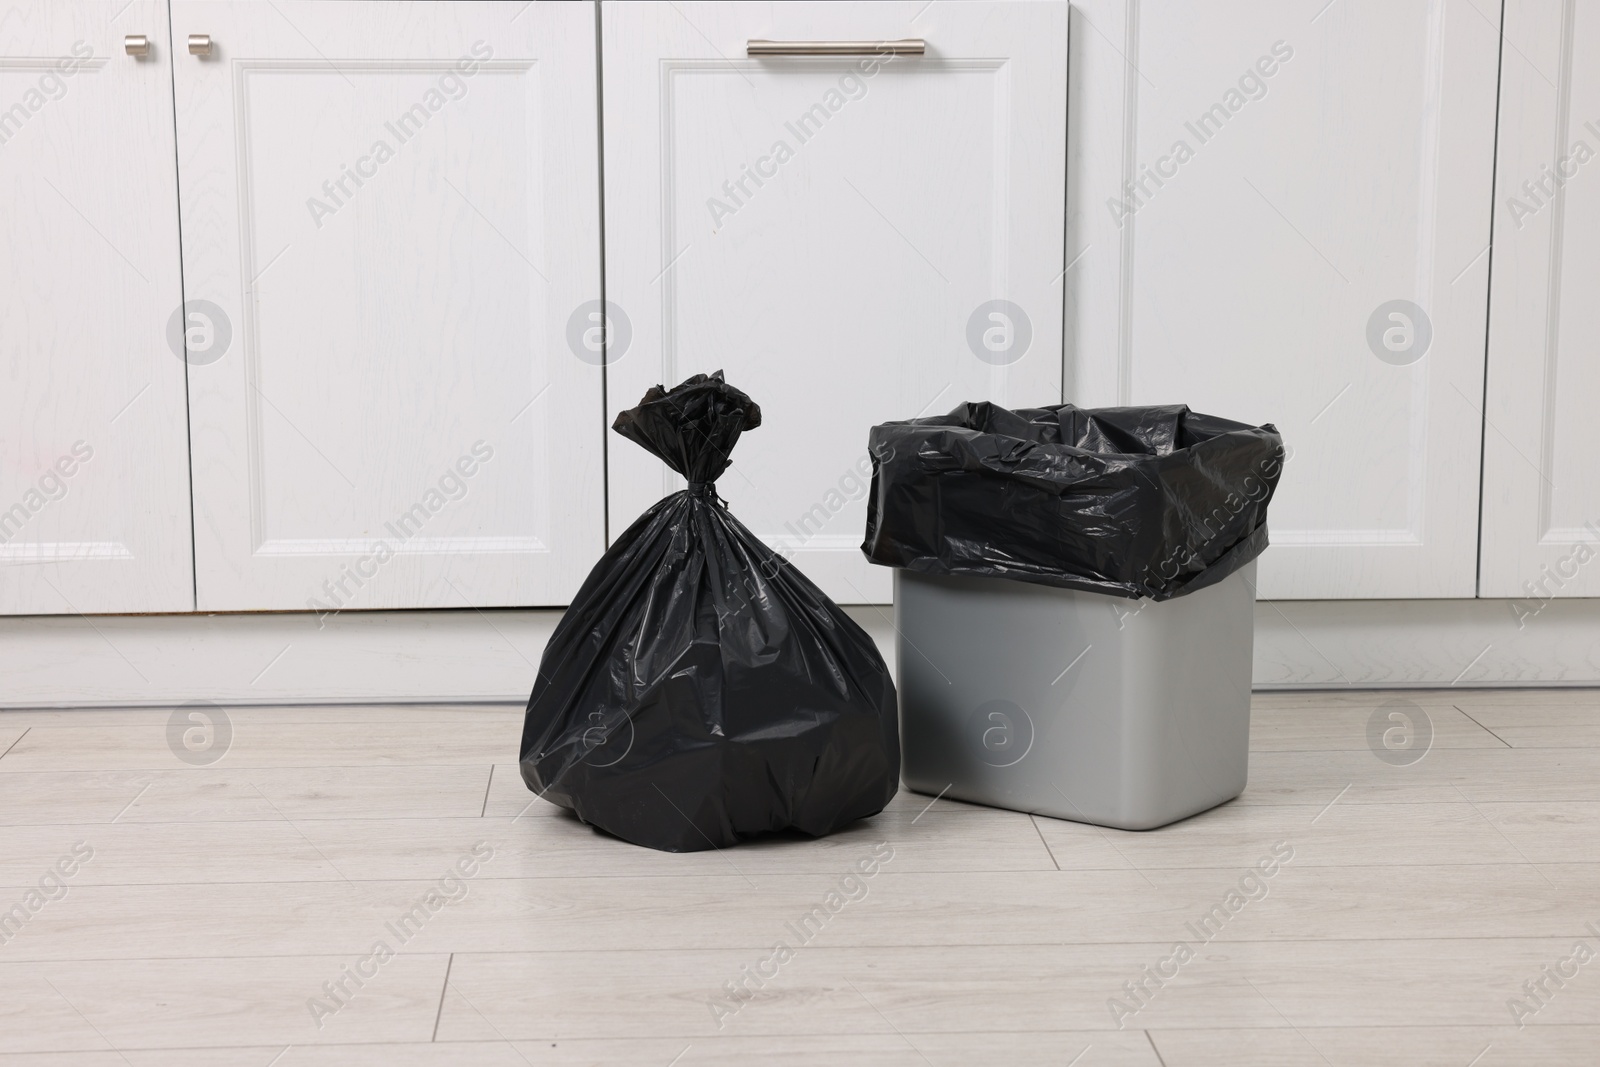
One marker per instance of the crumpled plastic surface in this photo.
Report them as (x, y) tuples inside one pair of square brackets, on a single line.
[(1134, 502), (700, 690)]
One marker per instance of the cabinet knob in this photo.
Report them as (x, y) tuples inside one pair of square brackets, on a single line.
[(199, 44), (136, 44)]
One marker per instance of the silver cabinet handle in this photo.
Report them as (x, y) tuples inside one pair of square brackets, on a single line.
[(199, 44), (136, 44), (911, 46)]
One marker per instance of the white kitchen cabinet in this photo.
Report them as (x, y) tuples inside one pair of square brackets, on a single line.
[(391, 256), (94, 475), (836, 233), (391, 213), (1541, 472), (1251, 186)]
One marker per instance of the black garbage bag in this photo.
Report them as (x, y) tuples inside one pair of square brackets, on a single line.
[(700, 690), (1135, 502)]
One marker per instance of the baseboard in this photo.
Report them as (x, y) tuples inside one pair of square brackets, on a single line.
[(475, 656), (284, 658), (1380, 644)]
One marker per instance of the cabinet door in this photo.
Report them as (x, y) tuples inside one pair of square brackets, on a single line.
[(1284, 215), (390, 212), (852, 239), (94, 474), (1541, 472)]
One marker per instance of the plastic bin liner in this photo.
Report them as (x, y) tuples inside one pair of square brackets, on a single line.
[(700, 690), (1134, 502)]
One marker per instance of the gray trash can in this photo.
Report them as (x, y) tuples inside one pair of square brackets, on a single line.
[(1077, 705), (1074, 592)]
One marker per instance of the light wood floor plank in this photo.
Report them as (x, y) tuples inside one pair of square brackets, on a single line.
[(311, 714), (1346, 697), (1238, 835), (1446, 775), (1529, 725), (1549, 833), (721, 911), (1494, 697), (1231, 836), (1003, 989), (1547, 1045), (129, 853), (473, 740), (1562, 737), (805, 1050), (1494, 716), (1456, 696), (1345, 728), (235, 794), (101, 1005)]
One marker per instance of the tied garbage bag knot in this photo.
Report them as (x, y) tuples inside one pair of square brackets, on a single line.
[(693, 427), (700, 690)]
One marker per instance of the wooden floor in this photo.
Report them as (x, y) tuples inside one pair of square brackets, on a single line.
[(208, 907)]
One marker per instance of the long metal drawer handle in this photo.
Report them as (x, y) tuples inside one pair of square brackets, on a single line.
[(912, 46)]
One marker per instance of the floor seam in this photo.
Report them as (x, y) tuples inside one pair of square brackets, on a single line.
[(1482, 727), (1148, 1036), (15, 743), (1048, 850), (443, 990)]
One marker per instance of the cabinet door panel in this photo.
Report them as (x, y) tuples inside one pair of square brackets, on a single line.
[(393, 208), (1335, 160), (1541, 474), (830, 231), (94, 476)]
